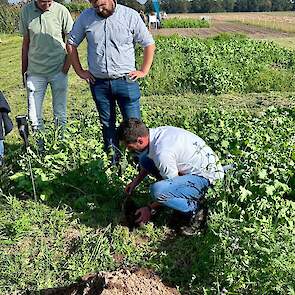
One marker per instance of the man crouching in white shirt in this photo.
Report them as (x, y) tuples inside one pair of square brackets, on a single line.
[(182, 163)]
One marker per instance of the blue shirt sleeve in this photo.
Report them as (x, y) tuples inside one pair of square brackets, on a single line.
[(141, 33), (77, 33)]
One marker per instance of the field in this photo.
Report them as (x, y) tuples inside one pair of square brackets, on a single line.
[(276, 26), (237, 94)]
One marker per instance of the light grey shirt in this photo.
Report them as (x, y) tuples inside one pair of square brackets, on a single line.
[(111, 40), (175, 150)]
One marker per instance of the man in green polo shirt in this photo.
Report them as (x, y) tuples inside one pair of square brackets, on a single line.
[(44, 25)]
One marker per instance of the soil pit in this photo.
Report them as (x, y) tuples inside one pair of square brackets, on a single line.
[(122, 282)]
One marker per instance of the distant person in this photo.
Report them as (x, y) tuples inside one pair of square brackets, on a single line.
[(44, 25), (111, 31), (164, 15), (184, 165)]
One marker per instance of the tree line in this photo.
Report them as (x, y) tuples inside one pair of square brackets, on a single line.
[(178, 6)]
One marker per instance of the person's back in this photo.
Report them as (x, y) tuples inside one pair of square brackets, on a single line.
[(190, 153), (184, 166)]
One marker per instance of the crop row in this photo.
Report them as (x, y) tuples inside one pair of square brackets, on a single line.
[(227, 63), (176, 22)]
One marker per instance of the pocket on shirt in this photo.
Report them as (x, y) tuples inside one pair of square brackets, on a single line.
[(121, 36)]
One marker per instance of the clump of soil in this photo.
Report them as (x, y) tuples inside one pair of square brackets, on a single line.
[(122, 282)]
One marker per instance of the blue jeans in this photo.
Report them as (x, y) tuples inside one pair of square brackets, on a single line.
[(36, 88), (106, 93), (180, 193)]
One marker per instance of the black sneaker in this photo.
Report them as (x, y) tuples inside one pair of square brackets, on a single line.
[(179, 219), (198, 224)]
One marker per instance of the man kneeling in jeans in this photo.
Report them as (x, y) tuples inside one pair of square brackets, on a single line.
[(182, 163)]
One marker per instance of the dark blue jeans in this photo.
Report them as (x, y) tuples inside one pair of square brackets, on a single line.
[(106, 93)]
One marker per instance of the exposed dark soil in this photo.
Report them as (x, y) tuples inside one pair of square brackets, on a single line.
[(123, 282)]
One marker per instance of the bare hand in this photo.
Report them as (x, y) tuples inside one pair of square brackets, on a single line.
[(87, 76), (145, 215), (134, 75), (130, 187)]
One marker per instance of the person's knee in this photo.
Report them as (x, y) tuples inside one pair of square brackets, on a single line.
[(159, 191)]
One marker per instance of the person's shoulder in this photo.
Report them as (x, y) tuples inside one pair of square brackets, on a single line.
[(87, 13), (127, 10)]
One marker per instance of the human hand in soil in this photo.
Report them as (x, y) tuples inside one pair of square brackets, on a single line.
[(130, 187), (144, 215)]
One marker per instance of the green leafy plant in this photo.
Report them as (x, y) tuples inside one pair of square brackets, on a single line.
[(184, 23)]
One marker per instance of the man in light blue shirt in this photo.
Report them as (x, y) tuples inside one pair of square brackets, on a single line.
[(111, 31)]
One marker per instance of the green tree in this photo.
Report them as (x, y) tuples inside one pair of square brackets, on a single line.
[(279, 5), (228, 5), (241, 5), (265, 5)]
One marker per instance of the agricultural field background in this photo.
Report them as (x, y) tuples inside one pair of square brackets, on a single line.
[(235, 92)]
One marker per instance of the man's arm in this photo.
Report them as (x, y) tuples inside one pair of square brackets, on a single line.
[(25, 51), (67, 64), (148, 56), (136, 181), (75, 61), (67, 27)]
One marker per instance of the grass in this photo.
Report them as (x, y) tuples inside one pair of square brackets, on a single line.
[(287, 42), (249, 247), (268, 23)]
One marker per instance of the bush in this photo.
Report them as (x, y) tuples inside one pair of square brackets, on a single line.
[(9, 18), (77, 7)]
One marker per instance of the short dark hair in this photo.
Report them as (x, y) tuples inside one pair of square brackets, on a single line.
[(129, 130)]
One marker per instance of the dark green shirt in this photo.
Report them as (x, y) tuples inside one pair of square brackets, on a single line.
[(46, 31)]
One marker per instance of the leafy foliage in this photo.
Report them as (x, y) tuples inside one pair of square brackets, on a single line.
[(184, 23), (77, 6), (250, 243), (9, 18), (74, 227), (222, 64)]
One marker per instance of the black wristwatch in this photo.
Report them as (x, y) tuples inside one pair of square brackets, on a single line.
[(152, 210)]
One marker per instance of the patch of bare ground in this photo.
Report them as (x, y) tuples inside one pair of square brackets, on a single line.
[(122, 282), (221, 26)]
